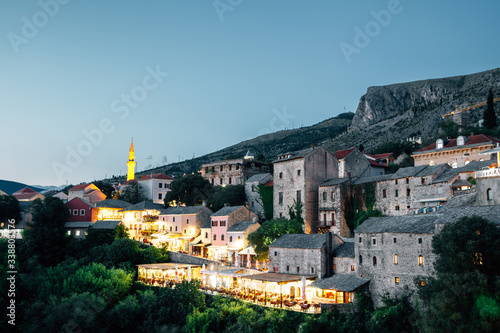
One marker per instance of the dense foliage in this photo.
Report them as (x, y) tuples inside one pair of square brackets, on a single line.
[(9, 209), (490, 118), (191, 189), (266, 197), (133, 193)]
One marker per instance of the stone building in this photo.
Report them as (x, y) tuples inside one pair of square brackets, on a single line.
[(488, 181), (302, 254), (344, 261), (455, 152), (331, 196), (235, 171), (252, 192), (237, 238), (87, 192), (354, 164), (296, 178), (394, 251)]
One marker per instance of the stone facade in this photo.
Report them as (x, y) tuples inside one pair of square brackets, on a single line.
[(252, 192), (488, 187), (296, 178), (331, 197), (233, 172)]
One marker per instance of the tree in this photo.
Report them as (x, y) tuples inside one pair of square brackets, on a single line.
[(105, 188), (133, 193), (190, 190), (490, 118), (9, 209), (295, 212), (46, 240), (233, 195), (266, 196), (271, 230), (464, 295)]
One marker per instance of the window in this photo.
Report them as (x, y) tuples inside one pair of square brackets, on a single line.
[(396, 181), (360, 240), (75, 211), (222, 223), (280, 198), (170, 228), (237, 166), (215, 237), (281, 215), (395, 259), (175, 228), (332, 195), (353, 268), (396, 193), (334, 267), (394, 240), (221, 237), (478, 258), (397, 207), (420, 241), (221, 168), (252, 204), (281, 175), (324, 196), (68, 232), (298, 172), (214, 223), (229, 181), (333, 219), (275, 253), (160, 185), (423, 180), (324, 218), (220, 181), (298, 269), (374, 241), (275, 269), (184, 231), (212, 181), (77, 232), (312, 270), (287, 268), (407, 180), (187, 221), (239, 237), (420, 260), (489, 194), (360, 260), (82, 212), (160, 196), (206, 233), (407, 192), (439, 144), (299, 196), (230, 167), (396, 280), (173, 219), (421, 283), (384, 193), (374, 261)]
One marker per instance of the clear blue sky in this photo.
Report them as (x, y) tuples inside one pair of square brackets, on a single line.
[(86, 65)]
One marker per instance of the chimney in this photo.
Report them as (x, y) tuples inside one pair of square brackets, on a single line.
[(204, 203)]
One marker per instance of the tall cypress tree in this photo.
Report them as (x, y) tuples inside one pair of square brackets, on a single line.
[(490, 118)]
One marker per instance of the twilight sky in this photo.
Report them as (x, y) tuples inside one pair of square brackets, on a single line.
[(79, 79)]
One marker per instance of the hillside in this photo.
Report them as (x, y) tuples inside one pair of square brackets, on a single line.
[(10, 187)]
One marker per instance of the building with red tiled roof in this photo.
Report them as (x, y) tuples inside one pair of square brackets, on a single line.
[(81, 211), (456, 152), (155, 186), (27, 194), (353, 163), (87, 192), (386, 158)]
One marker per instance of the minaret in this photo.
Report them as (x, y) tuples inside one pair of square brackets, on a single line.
[(131, 163)]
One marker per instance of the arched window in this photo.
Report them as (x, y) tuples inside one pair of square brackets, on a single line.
[(215, 237), (489, 194), (374, 261), (292, 292), (230, 239), (221, 237), (396, 259), (360, 260), (439, 144)]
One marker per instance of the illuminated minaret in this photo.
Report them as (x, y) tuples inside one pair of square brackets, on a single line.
[(131, 163)]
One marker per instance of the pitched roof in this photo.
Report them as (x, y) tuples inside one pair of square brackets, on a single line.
[(25, 193), (258, 178), (407, 224), (225, 211), (345, 250), (478, 139), (300, 241), (143, 205), (372, 179), (340, 154), (377, 164), (128, 182), (179, 210), (269, 183), (207, 225), (408, 172), (81, 200), (460, 183), (110, 225), (294, 155), (340, 282), (155, 176), (381, 156), (334, 181), (77, 224), (112, 203), (79, 187), (242, 226)]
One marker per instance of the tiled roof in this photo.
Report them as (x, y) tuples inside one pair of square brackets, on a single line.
[(408, 224), (372, 179), (144, 205), (479, 139), (112, 203), (181, 210), (451, 173), (381, 156), (25, 193), (81, 200), (128, 182), (77, 224), (225, 211), (294, 155), (340, 154), (334, 181), (432, 169), (340, 282), (79, 187), (155, 176), (242, 226), (460, 183), (207, 225), (345, 250), (258, 178), (377, 164), (110, 225), (408, 172), (269, 183), (300, 241)]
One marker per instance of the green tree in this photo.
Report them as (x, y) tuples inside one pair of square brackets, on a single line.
[(121, 231), (105, 188), (190, 190), (271, 230), (490, 118), (234, 195), (9, 209), (133, 193), (295, 212), (464, 296), (266, 196), (45, 242)]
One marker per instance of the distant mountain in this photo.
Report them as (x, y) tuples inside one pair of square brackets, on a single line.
[(10, 187)]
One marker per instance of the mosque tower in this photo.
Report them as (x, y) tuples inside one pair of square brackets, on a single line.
[(131, 163)]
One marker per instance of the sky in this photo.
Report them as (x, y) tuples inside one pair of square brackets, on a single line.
[(80, 79)]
